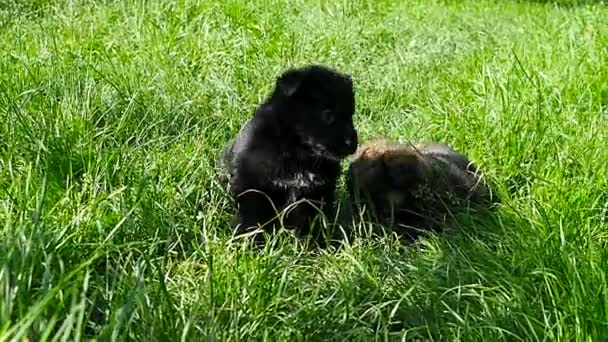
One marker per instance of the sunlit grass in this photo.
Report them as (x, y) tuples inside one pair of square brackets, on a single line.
[(114, 224)]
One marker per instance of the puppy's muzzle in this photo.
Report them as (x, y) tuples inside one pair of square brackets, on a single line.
[(351, 143)]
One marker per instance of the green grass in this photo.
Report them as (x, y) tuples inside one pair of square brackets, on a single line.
[(113, 225)]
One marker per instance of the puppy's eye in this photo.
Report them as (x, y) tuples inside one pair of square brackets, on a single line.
[(327, 116)]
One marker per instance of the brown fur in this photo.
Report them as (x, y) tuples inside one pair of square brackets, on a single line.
[(414, 187)]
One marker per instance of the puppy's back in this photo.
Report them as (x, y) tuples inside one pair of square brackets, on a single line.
[(461, 175), (230, 151)]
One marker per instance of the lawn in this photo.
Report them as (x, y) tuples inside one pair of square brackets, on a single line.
[(113, 224)]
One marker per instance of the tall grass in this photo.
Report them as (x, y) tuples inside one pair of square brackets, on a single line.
[(113, 224)]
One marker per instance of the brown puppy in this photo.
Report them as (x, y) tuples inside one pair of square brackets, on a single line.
[(414, 187)]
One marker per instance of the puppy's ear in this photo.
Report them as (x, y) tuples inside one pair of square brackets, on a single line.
[(289, 82), (349, 80)]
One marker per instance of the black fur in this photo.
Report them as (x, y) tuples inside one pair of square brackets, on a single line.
[(291, 149)]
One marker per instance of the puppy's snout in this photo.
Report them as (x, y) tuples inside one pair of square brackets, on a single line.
[(351, 142)]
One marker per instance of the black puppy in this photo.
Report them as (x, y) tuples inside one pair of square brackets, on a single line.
[(288, 154)]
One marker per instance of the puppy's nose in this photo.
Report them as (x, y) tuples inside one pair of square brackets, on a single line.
[(351, 140), (351, 143)]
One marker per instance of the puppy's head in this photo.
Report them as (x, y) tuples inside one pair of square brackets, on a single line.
[(319, 104), (386, 172)]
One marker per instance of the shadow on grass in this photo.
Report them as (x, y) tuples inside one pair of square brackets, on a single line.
[(452, 281)]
